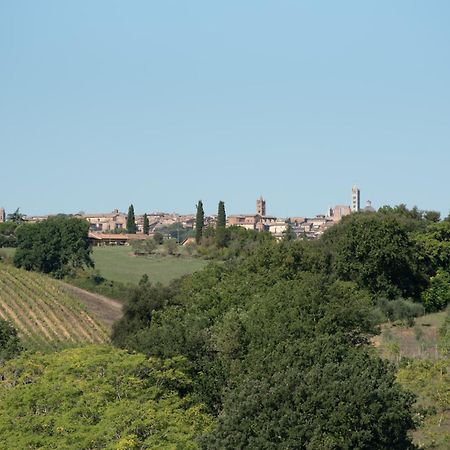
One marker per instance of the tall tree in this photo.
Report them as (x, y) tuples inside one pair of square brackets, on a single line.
[(288, 233), (131, 220), (146, 224), (199, 222), (221, 234), (16, 216), (221, 216)]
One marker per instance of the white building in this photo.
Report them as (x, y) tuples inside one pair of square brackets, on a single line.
[(356, 199)]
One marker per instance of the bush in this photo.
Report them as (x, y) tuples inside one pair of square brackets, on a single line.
[(437, 296), (170, 246), (10, 345), (401, 309), (158, 238), (143, 247)]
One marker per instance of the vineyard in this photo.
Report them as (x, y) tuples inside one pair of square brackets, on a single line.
[(46, 316)]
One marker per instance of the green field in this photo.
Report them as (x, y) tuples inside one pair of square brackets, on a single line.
[(118, 263)]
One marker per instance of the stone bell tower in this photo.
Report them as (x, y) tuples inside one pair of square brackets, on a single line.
[(261, 206), (356, 199)]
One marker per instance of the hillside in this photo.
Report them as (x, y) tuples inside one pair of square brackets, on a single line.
[(45, 315)]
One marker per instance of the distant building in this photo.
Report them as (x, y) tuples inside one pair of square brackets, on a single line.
[(2, 215), (101, 239), (338, 212), (369, 207), (258, 221), (278, 228), (102, 222), (260, 207), (356, 199)]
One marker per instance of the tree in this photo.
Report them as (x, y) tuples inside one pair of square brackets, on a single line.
[(8, 234), (437, 296), (16, 216), (158, 238), (10, 345), (146, 224), (288, 233), (435, 246), (171, 246), (221, 216), (221, 232), (316, 395), (98, 397), (377, 252), (131, 221), (432, 216), (199, 222), (57, 245)]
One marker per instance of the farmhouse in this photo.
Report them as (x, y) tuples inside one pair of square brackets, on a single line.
[(99, 239)]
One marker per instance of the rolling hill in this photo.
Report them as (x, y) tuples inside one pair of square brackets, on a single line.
[(45, 314)]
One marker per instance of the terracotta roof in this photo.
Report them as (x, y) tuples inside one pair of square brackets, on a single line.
[(116, 236)]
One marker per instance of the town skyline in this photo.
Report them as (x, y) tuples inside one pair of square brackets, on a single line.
[(211, 209)]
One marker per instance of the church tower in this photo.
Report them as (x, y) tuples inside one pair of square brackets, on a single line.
[(356, 199), (2, 215), (261, 206)]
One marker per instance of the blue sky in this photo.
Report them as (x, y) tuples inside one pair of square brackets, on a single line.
[(104, 103)]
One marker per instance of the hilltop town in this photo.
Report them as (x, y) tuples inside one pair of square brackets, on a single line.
[(111, 228)]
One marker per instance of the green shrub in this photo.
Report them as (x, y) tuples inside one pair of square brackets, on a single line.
[(401, 309), (437, 296)]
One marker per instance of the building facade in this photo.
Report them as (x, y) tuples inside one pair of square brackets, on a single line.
[(356, 199), (114, 221)]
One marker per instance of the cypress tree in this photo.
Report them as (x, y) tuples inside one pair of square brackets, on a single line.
[(221, 236), (131, 221), (221, 216), (146, 224), (288, 233), (199, 222)]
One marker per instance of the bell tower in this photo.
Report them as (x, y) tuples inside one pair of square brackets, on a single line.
[(261, 206), (356, 199)]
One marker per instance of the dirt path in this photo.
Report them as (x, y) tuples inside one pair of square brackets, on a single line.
[(105, 309)]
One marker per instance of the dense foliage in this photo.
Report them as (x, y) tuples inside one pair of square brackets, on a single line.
[(277, 336), (378, 254), (57, 246), (276, 348), (97, 397), (8, 234), (10, 345)]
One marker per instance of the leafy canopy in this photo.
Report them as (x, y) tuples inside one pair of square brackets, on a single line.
[(98, 397), (57, 246)]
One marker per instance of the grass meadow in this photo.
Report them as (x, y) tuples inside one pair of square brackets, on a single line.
[(118, 263)]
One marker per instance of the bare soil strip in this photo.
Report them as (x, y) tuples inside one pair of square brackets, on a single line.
[(106, 310)]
